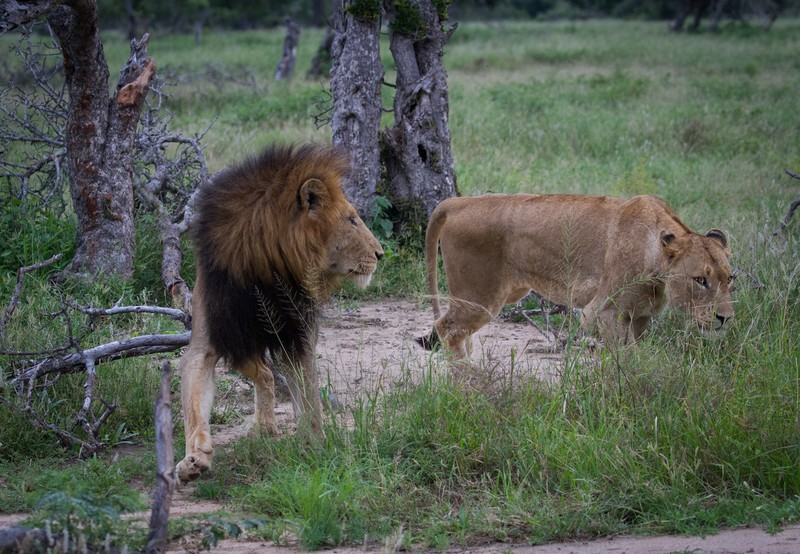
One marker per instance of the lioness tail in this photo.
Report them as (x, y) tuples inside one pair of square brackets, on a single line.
[(432, 234)]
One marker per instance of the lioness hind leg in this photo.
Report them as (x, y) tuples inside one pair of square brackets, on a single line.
[(455, 328), (197, 395), (264, 382)]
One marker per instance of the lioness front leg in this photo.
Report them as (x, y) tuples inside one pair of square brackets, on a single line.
[(260, 373), (197, 395)]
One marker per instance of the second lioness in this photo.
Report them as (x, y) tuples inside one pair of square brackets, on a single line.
[(622, 261)]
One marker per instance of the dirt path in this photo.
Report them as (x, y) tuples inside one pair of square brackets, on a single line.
[(370, 349)]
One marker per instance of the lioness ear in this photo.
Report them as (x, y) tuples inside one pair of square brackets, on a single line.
[(312, 194), (668, 244), (718, 235)]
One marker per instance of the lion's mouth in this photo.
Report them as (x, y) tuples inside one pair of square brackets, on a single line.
[(362, 274)]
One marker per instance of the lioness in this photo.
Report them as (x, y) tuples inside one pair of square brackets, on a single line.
[(620, 260)]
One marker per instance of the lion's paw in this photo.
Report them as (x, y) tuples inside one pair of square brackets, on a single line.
[(190, 468)]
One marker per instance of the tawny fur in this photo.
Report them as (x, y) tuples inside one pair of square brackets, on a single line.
[(274, 235), (621, 261)]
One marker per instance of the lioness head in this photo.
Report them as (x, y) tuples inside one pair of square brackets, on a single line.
[(700, 280), (352, 251)]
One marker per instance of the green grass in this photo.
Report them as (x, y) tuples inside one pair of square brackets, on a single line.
[(678, 434)]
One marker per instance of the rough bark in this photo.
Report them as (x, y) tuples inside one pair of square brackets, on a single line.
[(356, 77), (99, 132), (418, 158)]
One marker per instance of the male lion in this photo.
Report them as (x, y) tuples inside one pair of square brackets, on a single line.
[(274, 235), (620, 260)]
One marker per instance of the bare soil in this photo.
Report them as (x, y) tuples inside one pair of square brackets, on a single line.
[(370, 349)]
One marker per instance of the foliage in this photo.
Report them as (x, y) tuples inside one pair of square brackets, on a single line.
[(408, 19), (366, 10)]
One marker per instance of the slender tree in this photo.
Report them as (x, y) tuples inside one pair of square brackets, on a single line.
[(100, 130)]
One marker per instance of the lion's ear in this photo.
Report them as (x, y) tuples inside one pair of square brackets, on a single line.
[(719, 236), (312, 195)]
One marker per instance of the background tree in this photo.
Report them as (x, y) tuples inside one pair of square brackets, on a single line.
[(411, 164), (418, 158), (99, 131), (356, 77)]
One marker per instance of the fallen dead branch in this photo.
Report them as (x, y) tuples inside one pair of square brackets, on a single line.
[(792, 208), (33, 373)]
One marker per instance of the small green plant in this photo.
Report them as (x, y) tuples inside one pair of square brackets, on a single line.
[(84, 521), (379, 223)]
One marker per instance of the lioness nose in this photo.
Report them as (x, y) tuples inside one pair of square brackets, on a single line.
[(722, 319), (379, 253)]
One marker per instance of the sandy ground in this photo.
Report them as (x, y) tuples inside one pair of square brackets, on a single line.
[(370, 349)]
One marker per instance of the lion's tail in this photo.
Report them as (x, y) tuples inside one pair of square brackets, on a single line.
[(432, 234)]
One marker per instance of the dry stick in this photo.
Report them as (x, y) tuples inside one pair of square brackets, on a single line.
[(18, 289), (792, 208), (159, 517)]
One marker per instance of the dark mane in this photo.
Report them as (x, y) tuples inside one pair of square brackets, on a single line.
[(254, 296)]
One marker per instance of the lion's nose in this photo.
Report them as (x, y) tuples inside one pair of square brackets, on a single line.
[(721, 319), (379, 253)]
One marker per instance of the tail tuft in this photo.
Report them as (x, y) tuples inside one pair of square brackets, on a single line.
[(429, 342)]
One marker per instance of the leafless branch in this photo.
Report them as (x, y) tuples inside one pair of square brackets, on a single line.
[(792, 208), (18, 289), (32, 377)]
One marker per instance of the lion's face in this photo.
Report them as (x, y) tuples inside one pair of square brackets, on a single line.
[(353, 251), (700, 280)]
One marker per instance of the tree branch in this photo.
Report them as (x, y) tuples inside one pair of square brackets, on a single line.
[(792, 208), (18, 289), (109, 352)]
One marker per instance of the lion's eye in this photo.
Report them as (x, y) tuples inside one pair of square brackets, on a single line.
[(353, 221), (701, 281)]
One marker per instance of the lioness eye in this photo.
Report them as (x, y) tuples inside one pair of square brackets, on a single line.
[(700, 281)]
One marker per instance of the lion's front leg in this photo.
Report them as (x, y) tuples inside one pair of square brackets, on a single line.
[(197, 395)]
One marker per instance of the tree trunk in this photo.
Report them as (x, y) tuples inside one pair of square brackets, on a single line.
[(356, 77), (419, 162), (99, 134), (289, 56), (321, 62)]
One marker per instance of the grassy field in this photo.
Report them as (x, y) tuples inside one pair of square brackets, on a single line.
[(676, 435)]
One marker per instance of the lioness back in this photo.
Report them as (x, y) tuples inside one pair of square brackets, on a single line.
[(612, 257)]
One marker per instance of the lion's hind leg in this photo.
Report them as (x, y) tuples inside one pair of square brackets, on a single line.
[(302, 376), (197, 395), (260, 374)]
